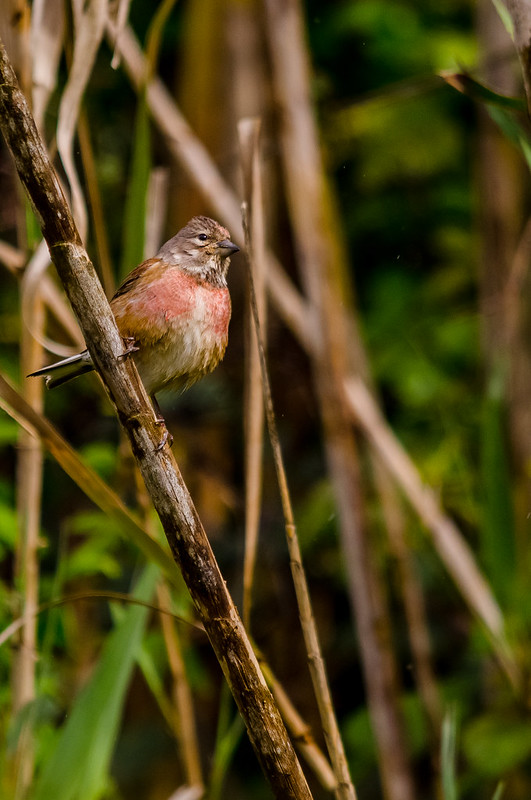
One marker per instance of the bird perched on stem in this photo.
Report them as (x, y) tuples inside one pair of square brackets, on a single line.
[(172, 310)]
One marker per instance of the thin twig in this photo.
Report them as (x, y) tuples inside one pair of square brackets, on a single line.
[(29, 496), (95, 594), (299, 729), (414, 604), (322, 269), (96, 206), (344, 788), (183, 723), (249, 133)]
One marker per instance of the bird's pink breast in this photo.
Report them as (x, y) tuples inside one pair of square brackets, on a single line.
[(177, 298), (181, 296), (180, 326)]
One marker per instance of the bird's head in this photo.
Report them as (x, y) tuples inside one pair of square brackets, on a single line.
[(202, 248)]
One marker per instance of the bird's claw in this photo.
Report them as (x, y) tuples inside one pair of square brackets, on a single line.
[(167, 438), (130, 347)]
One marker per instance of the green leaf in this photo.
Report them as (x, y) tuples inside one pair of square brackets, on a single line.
[(78, 768), (33, 230), (477, 91), (92, 557), (8, 430), (228, 736), (495, 745), (135, 205), (101, 457), (513, 130), (8, 525)]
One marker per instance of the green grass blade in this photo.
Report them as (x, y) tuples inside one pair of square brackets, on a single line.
[(135, 208), (228, 736), (478, 91), (135, 205), (499, 791), (448, 756), (78, 768)]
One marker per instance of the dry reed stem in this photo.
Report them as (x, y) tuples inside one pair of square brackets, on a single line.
[(89, 31), (184, 531), (93, 486), (320, 263), (448, 542), (157, 203), (186, 149), (29, 494), (120, 597), (36, 283), (189, 152), (12, 258), (96, 207), (520, 13), (299, 729), (344, 789), (249, 135), (414, 607), (47, 31), (409, 586), (183, 723)]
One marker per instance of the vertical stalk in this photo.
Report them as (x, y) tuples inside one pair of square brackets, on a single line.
[(344, 789), (318, 254), (29, 493), (184, 726), (249, 134)]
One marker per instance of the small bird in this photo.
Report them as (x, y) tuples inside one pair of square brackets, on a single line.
[(173, 311)]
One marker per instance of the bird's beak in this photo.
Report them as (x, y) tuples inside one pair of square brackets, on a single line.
[(226, 248)]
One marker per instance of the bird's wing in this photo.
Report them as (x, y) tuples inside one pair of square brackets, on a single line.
[(139, 274)]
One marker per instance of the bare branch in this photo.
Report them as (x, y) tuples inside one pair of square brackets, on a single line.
[(184, 531)]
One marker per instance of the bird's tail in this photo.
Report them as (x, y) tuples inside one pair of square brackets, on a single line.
[(65, 370)]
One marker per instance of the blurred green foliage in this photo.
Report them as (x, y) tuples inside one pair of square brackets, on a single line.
[(400, 146)]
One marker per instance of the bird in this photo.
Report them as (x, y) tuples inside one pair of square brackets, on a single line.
[(173, 312)]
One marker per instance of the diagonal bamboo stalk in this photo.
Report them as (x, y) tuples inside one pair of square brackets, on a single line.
[(184, 531)]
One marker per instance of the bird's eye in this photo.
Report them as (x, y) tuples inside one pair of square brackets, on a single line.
[(202, 236)]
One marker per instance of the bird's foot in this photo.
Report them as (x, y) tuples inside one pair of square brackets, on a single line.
[(167, 438), (130, 347)]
